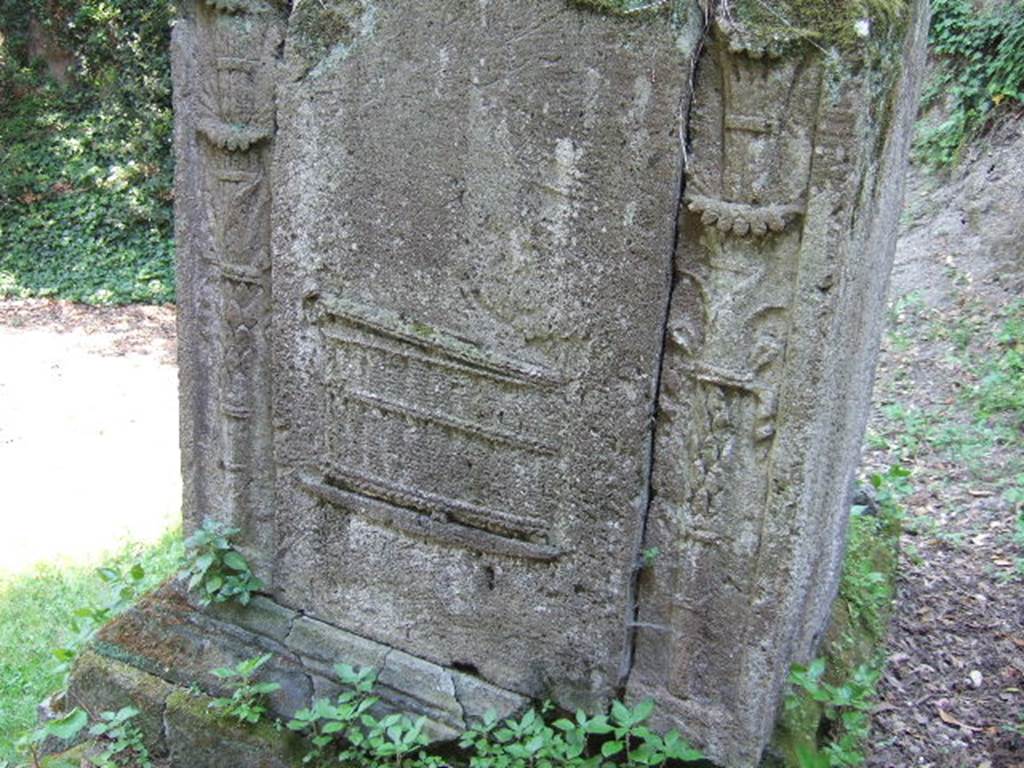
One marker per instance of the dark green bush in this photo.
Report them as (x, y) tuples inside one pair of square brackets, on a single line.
[(980, 74), (85, 169)]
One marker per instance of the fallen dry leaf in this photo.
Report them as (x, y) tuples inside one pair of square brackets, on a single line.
[(948, 719)]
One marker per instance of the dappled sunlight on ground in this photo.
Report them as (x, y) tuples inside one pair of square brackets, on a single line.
[(88, 432)]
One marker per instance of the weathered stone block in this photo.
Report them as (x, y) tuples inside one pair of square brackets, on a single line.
[(103, 685), (200, 739), (173, 639), (480, 301)]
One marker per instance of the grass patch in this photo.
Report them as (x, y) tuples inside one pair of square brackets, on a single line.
[(36, 616), (987, 416)]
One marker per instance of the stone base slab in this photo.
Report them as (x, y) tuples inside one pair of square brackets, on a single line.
[(164, 650)]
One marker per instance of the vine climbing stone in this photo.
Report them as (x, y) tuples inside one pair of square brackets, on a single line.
[(480, 303)]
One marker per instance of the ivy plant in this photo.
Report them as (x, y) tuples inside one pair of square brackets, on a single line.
[(980, 74)]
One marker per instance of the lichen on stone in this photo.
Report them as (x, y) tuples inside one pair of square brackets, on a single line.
[(625, 7), (318, 27), (776, 24)]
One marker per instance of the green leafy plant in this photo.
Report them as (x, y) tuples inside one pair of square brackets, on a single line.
[(981, 74), (1000, 393), (347, 730), (650, 556), (891, 486), (847, 711), (620, 738), (122, 739), (216, 569), (247, 703), (340, 723), (125, 585), (64, 728)]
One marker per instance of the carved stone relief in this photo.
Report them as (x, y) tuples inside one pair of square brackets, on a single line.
[(238, 45), (771, 190), (405, 393)]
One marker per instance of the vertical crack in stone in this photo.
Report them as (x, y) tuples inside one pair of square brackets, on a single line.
[(633, 623)]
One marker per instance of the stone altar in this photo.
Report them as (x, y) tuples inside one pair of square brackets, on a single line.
[(482, 301)]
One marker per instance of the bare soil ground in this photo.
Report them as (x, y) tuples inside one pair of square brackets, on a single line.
[(88, 429), (951, 696)]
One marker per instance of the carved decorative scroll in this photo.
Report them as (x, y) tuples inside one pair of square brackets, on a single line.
[(237, 48)]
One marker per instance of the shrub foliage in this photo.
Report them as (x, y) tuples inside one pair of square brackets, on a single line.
[(980, 74), (85, 167)]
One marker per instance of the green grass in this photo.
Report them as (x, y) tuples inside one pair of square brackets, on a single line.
[(986, 418), (36, 612)]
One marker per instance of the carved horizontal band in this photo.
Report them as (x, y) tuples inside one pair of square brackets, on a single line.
[(390, 325), (434, 504), (414, 523), (742, 218), (490, 434), (232, 138), (241, 273), (721, 377)]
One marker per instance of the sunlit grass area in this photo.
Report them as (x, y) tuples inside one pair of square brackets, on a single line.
[(37, 608)]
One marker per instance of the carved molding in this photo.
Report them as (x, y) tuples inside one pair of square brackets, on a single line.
[(741, 218), (234, 116), (232, 138)]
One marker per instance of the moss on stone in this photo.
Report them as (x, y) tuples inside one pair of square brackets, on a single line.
[(73, 758), (839, 23), (856, 636), (201, 738)]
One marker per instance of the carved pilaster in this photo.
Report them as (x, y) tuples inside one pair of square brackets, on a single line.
[(237, 48), (766, 227)]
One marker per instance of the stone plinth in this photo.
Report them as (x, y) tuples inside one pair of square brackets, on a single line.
[(483, 301)]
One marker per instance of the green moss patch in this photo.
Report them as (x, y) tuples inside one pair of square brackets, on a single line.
[(826, 22), (826, 718)]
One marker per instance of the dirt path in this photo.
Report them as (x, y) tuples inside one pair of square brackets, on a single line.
[(952, 692), (88, 429)]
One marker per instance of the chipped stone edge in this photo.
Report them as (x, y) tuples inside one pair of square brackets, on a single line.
[(451, 700)]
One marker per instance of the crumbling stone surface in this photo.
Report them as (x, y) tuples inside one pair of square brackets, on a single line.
[(177, 642), (104, 685), (482, 302)]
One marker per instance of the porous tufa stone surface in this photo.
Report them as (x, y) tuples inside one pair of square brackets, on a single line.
[(176, 641), (480, 304)]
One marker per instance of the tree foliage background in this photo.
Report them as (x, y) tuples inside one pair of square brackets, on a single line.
[(85, 165)]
